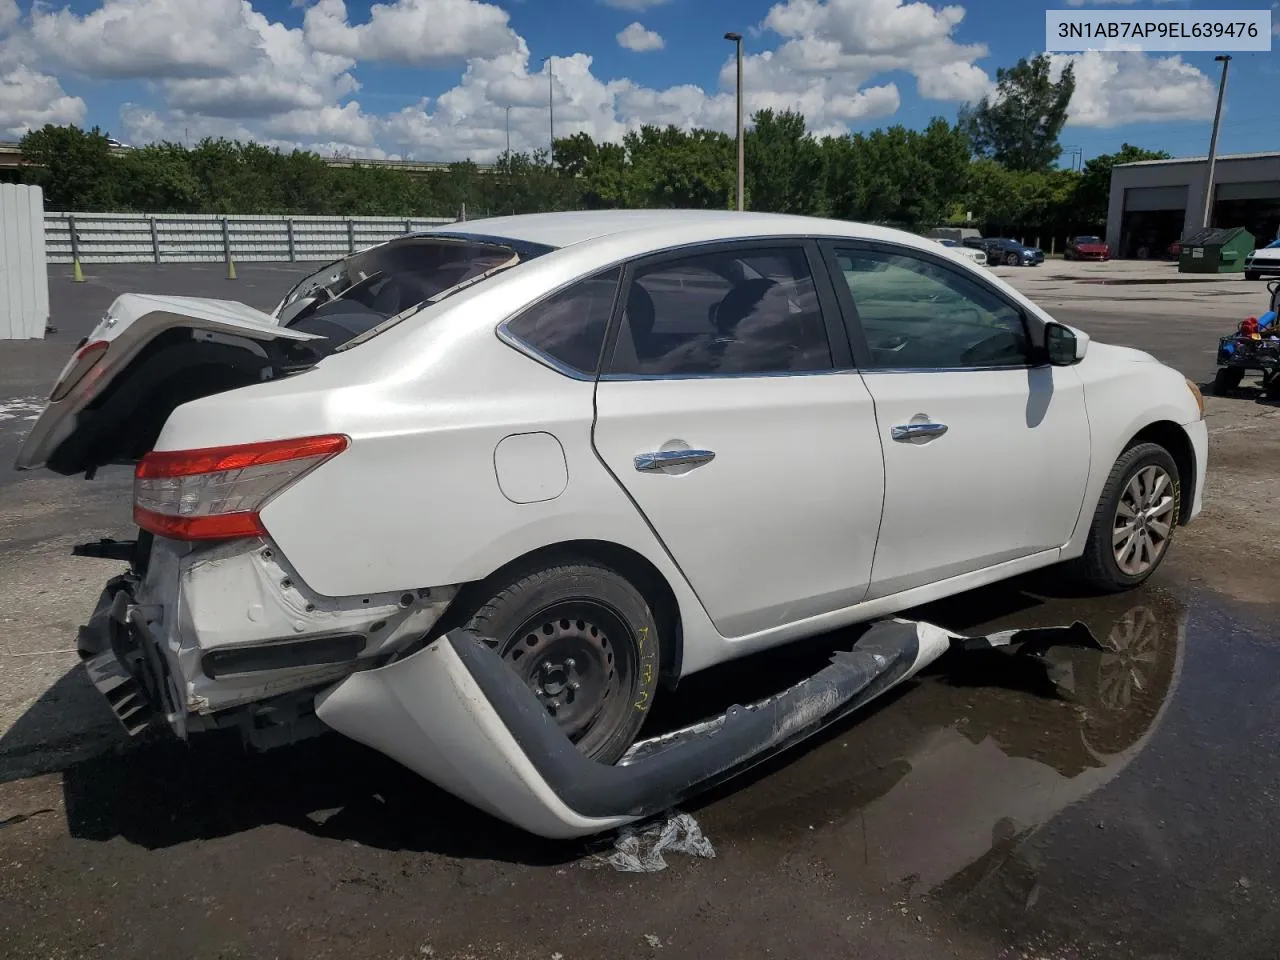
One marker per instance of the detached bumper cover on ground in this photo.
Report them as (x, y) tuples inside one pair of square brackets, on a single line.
[(456, 714)]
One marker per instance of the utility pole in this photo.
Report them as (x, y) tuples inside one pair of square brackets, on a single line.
[(508, 137), (1213, 143), (551, 102), (736, 38)]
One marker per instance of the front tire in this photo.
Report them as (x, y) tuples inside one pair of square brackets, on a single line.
[(1012, 260), (1252, 275), (585, 642), (1134, 522)]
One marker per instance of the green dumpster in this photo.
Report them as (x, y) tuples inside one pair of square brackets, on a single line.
[(1215, 251)]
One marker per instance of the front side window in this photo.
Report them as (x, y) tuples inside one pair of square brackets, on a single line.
[(569, 327), (919, 314), (729, 312)]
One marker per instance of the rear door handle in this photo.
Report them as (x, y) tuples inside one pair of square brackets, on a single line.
[(917, 432), (651, 462)]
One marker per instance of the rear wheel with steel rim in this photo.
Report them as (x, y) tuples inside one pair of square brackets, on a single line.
[(1135, 519), (585, 642)]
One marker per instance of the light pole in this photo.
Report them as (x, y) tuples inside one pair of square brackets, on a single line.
[(1213, 143), (736, 38), (508, 137), (551, 102)]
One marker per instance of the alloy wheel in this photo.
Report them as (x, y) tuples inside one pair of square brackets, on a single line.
[(1143, 520)]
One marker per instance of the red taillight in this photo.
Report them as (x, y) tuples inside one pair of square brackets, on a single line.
[(81, 362), (217, 493)]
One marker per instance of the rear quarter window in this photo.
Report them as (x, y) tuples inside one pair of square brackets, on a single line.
[(568, 328)]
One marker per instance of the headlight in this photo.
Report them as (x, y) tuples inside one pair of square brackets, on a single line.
[(1195, 392)]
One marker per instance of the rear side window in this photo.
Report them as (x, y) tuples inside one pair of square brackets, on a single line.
[(569, 327), (724, 313)]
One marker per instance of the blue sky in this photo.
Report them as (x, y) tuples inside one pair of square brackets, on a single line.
[(435, 78)]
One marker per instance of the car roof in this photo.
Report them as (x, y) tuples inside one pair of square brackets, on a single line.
[(665, 227)]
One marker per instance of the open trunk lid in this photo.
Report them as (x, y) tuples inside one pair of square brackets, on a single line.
[(147, 356)]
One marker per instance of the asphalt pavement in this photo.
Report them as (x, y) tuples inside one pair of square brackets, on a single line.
[(1111, 804)]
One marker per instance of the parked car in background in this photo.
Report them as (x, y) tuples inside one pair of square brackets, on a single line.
[(610, 449), (1263, 263), (1087, 248), (969, 253), (1006, 251)]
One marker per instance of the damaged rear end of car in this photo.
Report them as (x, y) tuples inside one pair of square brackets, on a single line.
[(211, 626)]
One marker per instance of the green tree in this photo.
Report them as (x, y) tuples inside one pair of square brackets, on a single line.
[(73, 167), (1019, 126), (783, 164), (1093, 193), (668, 167)]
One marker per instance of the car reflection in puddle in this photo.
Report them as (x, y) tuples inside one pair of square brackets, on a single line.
[(938, 789)]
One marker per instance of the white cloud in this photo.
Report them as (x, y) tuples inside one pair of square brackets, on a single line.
[(9, 15), (636, 5), (415, 32), (149, 38), (636, 37), (29, 100), (222, 68), (1113, 89), (854, 40)]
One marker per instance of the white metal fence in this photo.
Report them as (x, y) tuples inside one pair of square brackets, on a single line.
[(202, 238), (24, 272)]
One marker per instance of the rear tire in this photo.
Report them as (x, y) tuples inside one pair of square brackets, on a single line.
[(1226, 380), (585, 641), (1134, 522)]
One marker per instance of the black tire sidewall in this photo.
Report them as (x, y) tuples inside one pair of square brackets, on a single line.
[(1226, 380), (514, 602), (1100, 557)]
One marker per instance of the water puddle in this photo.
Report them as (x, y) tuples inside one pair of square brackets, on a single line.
[(1073, 798)]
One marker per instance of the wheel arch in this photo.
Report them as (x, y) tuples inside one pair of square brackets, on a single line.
[(1170, 436), (632, 565)]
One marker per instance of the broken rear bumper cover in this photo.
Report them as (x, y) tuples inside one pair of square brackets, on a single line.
[(210, 635), (457, 715)]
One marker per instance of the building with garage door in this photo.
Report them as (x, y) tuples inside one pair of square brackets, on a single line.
[(1157, 202)]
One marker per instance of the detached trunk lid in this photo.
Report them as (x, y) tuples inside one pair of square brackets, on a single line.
[(147, 356)]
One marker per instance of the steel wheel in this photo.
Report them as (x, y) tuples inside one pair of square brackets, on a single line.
[(1143, 520), (578, 659)]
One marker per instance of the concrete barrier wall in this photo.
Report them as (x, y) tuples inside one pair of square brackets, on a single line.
[(204, 238)]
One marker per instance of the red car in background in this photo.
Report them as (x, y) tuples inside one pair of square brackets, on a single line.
[(1087, 248)]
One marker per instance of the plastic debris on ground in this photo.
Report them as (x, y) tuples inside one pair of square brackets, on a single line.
[(640, 850)]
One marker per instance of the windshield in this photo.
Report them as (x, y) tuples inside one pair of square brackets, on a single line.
[(1088, 240), (350, 301)]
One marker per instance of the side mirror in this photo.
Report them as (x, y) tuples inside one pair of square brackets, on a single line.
[(1062, 347)]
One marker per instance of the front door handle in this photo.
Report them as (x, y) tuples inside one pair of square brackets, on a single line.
[(650, 462), (918, 432)]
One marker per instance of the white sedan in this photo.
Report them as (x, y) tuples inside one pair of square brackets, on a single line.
[(969, 253), (602, 451)]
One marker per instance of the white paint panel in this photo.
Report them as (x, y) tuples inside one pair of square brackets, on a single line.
[(781, 525), (24, 273), (1005, 481)]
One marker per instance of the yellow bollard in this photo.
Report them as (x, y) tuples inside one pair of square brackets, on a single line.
[(77, 275), (231, 269)]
